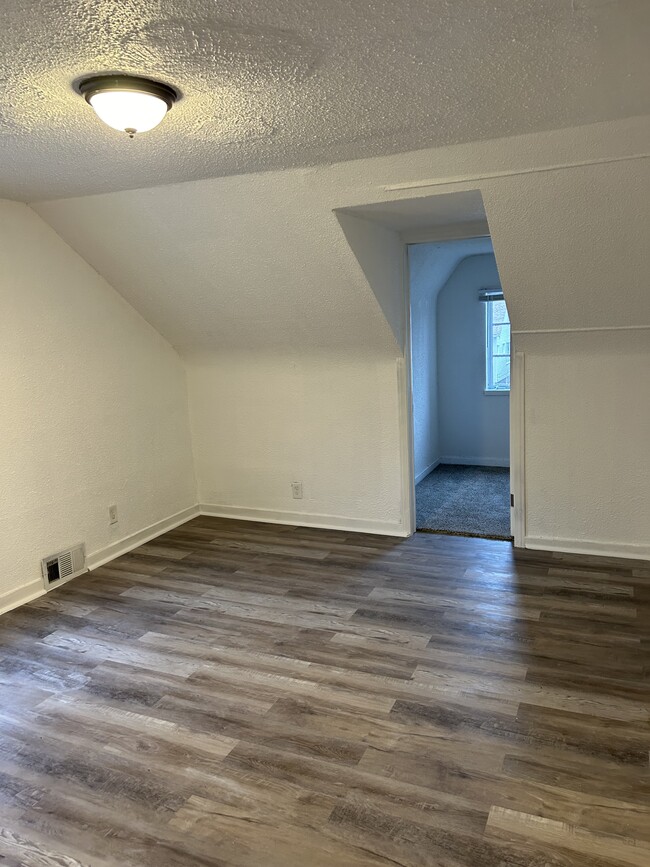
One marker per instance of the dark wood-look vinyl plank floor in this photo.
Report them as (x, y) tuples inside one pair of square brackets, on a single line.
[(252, 695)]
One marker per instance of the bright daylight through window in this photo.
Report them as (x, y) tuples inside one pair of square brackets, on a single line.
[(497, 356)]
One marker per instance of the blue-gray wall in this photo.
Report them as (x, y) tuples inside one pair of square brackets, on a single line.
[(473, 427), (430, 267)]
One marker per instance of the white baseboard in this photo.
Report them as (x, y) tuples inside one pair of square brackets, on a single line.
[(15, 598), (475, 462), (425, 472), (625, 550), (304, 519), (31, 591), (123, 546)]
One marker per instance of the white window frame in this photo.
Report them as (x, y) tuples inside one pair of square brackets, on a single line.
[(490, 388)]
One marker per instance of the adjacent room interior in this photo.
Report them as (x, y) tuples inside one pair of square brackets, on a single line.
[(255, 263), (460, 369)]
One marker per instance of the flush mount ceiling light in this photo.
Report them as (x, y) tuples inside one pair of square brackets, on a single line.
[(128, 103)]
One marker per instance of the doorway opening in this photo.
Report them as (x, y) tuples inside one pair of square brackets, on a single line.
[(460, 372)]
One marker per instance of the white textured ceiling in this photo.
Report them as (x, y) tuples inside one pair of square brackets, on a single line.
[(286, 83), (261, 262), (405, 215)]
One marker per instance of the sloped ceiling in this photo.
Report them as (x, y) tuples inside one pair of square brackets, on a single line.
[(283, 83), (251, 262), (432, 265), (261, 262), (407, 216)]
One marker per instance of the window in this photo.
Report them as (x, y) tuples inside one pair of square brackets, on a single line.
[(497, 344)]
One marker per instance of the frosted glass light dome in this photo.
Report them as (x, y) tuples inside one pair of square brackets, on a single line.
[(126, 103)]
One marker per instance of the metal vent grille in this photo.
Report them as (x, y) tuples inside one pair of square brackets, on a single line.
[(63, 566)]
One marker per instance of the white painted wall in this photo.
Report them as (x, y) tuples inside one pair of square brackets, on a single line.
[(588, 441), (329, 420), (423, 269), (474, 426), (94, 409), (380, 253)]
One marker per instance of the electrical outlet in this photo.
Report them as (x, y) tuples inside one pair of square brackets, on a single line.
[(296, 490), (112, 514)]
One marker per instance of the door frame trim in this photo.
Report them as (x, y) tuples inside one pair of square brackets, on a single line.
[(405, 410)]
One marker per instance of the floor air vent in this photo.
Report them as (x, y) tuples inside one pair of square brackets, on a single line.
[(62, 566)]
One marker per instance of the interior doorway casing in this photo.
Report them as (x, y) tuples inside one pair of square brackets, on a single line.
[(405, 397)]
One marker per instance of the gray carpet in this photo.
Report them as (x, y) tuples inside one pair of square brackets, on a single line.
[(469, 501)]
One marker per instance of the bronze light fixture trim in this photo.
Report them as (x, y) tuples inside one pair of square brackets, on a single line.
[(128, 103)]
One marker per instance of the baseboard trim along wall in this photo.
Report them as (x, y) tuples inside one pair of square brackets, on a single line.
[(18, 597), (31, 591), (123, 546), (624, 550), (475, 462), (425, 472), (304, 519)]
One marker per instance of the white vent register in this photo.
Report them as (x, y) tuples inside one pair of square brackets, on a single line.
[(63, 566)]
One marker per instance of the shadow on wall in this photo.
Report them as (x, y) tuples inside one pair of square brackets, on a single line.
[(380, 254)]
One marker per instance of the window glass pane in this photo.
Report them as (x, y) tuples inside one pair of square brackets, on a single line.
[(501, 372), (499, 311), (497, 346), (500, 340)]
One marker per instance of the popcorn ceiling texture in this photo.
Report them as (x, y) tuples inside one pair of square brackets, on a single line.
[(284, 83)]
